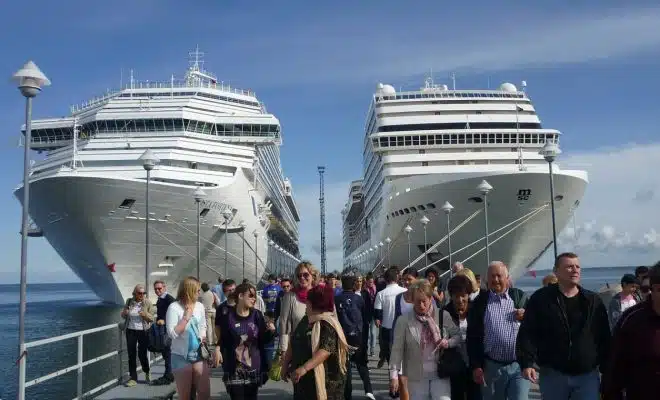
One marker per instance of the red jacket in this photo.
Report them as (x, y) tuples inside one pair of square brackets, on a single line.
[(635, 356)]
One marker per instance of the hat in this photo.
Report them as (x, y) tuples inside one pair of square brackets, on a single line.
[(322, 298), (628, 279)]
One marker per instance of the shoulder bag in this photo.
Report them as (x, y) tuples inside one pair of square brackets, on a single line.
[(451, 362), (203, 351)]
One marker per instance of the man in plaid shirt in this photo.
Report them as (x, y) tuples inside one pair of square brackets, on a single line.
[(493, 323)]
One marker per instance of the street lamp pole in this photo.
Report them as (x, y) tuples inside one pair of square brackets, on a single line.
[(550, 151), (243, 226), (256, 256), (30, 80), (408, 229), (388, 241), (484, 188), (227, 214), (199, 195), (424, 220), (447, 208), (149, 161)]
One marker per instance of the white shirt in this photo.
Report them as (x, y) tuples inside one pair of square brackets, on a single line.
[(135, 321), (385, 301), (174, 315)]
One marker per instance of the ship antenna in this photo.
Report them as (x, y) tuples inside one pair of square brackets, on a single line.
[(453, 81)]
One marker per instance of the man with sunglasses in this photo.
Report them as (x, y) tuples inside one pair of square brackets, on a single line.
[(285, 284), (634, 366)]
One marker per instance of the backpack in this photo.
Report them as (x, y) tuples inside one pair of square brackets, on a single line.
[(159, 340)]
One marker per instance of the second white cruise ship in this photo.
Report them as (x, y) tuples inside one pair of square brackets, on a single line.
[(87, 196), (425, 147)]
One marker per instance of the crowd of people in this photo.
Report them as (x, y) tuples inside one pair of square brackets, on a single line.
[(442, 336)]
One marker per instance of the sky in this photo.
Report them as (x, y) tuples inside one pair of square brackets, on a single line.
[(591, 70)]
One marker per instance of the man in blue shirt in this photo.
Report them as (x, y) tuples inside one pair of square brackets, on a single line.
[(270, 293), (218, 291)]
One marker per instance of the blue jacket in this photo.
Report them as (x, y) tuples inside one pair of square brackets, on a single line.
[(350, 308), (269, 294)]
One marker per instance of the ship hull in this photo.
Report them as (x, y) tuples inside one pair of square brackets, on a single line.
[(104, 244), (518, 236)]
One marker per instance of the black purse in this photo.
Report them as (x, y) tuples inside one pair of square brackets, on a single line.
[(451, 361)]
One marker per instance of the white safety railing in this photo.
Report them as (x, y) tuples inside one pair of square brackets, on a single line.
[(80, 364)]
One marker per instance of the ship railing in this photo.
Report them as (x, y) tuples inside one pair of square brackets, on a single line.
[(81, 363)]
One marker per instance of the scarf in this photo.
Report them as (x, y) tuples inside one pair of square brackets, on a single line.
[(343, 348), (301, 294), (430, 330), (371, 289)]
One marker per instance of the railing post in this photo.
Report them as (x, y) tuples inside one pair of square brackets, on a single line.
[(22, 367), (119, 353), (80, 366)]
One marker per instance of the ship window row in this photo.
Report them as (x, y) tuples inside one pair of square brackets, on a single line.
[(189, 94), (459, 125), (411, 209), (452, 94), (464, 138)]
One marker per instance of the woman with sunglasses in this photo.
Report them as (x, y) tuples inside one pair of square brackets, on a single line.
[(186, 325), (294, 303), (138, 314), (244, 334)]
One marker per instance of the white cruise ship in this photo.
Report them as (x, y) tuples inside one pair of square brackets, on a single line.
[(88, 193), (432, 145)]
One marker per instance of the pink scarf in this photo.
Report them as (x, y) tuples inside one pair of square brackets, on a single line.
[(430, 330), (301, 294)]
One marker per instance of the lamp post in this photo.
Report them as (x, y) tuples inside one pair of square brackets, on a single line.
[(272, 265), (243, 226), (30, 80), (447, 208), (550, 151), (256, 256), (149, 161), (484, 188), (227, 214), (424, 220), (388, 241), (199, 195), (408, 229)]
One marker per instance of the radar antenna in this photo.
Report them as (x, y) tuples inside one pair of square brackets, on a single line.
[(196, 60)]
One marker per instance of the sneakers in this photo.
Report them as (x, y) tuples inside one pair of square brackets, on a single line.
[(371, 396), (147, 377), (131, 383), (163, 380), (381, 362)]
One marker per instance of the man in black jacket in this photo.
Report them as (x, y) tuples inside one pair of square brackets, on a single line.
[(566, 332), (163, 302)]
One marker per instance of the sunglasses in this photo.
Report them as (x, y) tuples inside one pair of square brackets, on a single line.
[(140, 292), (286, 287), (305, 275)]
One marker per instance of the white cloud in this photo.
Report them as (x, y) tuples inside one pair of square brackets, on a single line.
[(612, 227), (351, 50)]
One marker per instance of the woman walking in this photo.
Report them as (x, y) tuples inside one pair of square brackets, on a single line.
[(293, 304), (138, 314), (318, 366), (244, 334), (420, 338), (186, 325)]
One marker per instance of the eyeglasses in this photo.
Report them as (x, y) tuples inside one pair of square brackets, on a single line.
[(304, 275)]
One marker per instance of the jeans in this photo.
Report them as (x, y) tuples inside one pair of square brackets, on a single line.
[(433, 389), (504, 382), (371, 336), (385, 343), (136, 344), (556, 385)]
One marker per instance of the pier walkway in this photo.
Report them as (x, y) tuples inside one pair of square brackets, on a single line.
[(272, 390)]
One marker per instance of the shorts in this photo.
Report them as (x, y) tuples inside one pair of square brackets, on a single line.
[(180, 362)]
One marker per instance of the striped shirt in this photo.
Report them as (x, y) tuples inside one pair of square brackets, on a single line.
[(500, 328)]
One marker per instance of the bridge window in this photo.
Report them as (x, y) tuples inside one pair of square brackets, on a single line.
[(127, 203)]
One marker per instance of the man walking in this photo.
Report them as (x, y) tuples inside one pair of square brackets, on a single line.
[(566, 332), (384, 308), (492, 326)]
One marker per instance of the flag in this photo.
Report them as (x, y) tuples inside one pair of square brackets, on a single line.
[(531, 273), (111, 267)]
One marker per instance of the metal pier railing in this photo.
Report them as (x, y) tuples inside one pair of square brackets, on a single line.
[(81, 363)]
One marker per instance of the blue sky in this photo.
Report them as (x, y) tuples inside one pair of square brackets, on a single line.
[(591, 71)]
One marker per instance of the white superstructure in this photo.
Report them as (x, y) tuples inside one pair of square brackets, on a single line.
[(427, 146), (88, 193)]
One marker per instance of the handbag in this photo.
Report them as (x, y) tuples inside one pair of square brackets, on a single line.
[(203, 351), (451, 361), (159, 340), (275, 372)]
